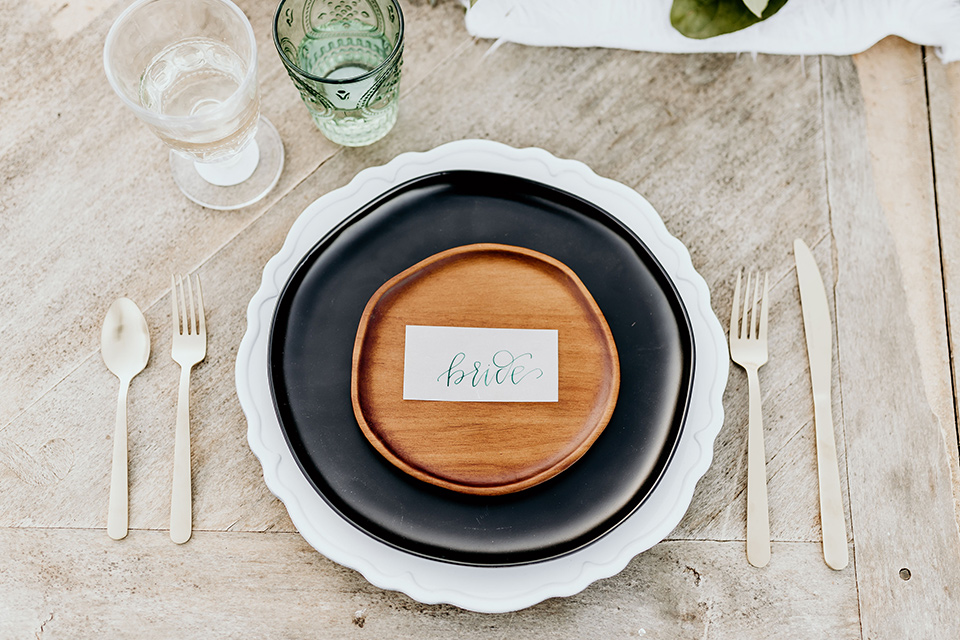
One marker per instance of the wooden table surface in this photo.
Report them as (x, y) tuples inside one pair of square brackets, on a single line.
[(858, 156)]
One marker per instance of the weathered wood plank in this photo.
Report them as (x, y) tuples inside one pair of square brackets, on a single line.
[(891, 76), (72, 16), (897, 464), (71, 584), (943, 82)]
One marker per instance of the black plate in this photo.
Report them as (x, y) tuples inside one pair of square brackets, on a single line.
[(311, 346)]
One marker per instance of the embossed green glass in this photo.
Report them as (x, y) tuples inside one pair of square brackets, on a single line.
[(344, 56)]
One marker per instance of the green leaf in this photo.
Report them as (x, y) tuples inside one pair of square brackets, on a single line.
[(708, 18)]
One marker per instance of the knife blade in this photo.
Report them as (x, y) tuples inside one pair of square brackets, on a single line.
[(817, 328)]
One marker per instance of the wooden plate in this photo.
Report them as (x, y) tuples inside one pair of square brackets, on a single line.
[(485, 448)]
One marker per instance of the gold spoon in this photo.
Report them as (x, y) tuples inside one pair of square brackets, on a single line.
[(125, 345)]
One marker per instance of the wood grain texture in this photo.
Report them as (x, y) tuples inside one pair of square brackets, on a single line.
[(897, 462), (892, 81), (485, 448), (68, 584), (943, 90)]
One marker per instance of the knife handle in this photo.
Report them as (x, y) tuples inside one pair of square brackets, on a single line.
[(831, 503), (758, 518)]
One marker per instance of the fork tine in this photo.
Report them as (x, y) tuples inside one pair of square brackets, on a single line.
[(756, 300), (735, 307), (192, 327), (203, 324), (174, 312), (745, 318), (184, 328), (764, 307)]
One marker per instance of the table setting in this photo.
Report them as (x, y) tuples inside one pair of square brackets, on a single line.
[(513, 318)]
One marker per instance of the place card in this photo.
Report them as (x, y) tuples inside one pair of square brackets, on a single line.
[(469, 364)]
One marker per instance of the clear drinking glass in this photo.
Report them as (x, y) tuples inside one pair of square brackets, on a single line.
[(344, 56), (188, 69)]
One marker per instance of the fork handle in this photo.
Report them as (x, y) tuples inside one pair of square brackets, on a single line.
[(758, 520), (117, 507), (181, 505)]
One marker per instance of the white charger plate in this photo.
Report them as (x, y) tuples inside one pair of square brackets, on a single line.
[(486, 589)]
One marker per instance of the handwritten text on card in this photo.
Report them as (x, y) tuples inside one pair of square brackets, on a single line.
[(467, 364)]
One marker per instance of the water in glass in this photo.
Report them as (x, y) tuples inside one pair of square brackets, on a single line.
[(194, 76)]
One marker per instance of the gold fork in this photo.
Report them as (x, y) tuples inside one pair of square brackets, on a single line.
[(748, 348), (189, 348)]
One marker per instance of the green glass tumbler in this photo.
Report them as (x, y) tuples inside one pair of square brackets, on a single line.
[(344, 56)]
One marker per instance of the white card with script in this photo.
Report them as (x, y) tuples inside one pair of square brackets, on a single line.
[(470, 364)]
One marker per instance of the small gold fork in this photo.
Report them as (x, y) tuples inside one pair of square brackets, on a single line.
[(748, 348), (189, 348)]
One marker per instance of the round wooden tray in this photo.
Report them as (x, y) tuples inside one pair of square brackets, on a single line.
[(485, 448)]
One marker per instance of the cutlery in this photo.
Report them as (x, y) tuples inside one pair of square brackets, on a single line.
[(748, 348), (125, 346), (816, 326), (189, 348)]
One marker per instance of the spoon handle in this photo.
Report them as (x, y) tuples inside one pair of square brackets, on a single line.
[(117, 510), (181, 503)]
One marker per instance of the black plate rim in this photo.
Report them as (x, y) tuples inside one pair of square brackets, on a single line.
[(677, 303)]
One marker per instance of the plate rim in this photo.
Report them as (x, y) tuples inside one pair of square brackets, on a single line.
[(654, 266), (487, 589)]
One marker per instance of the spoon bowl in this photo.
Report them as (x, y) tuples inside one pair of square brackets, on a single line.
[(125, 339), (125, 345)]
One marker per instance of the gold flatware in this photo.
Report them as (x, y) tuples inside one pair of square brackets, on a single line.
[(817, 328), (125, 346), (748, 348), (189, 348)]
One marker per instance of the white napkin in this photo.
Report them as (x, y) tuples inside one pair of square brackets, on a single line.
[(802, 27)]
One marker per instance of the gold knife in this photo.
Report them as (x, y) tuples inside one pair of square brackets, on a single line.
[(816, 326)]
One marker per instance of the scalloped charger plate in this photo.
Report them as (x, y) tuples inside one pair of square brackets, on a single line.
[(484, 588)]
